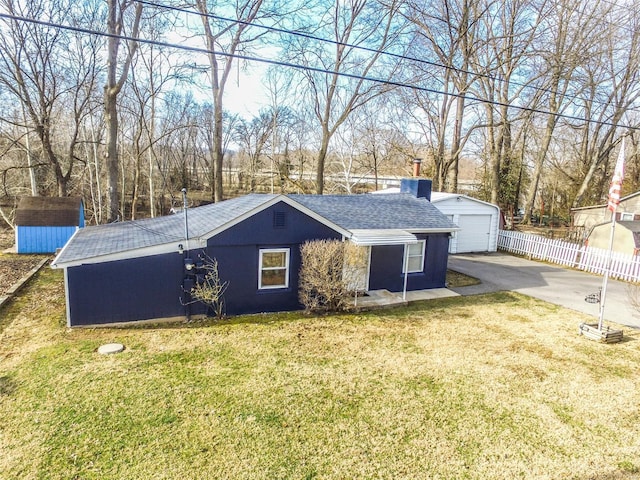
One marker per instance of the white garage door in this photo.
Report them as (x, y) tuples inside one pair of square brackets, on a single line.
[(474, 233)]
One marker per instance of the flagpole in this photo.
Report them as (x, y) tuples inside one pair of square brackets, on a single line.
[(607, 272), (614, 200)]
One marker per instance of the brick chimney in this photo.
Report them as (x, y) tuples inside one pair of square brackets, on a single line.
[(416, 167)]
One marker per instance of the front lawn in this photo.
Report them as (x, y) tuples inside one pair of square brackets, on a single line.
[(496, 386)]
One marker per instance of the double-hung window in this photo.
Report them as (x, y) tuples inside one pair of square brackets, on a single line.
[(413, 259), (274, 268)]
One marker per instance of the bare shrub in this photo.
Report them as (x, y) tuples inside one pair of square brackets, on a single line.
[(321, 284), (211, 290), (328, 274)]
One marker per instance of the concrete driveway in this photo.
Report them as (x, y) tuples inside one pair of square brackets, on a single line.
[(561, 286)]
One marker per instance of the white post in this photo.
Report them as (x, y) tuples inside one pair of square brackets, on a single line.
[(406, 271), (186, 222), (607, 271)]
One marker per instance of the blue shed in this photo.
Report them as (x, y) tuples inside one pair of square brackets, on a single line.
[(142, 270), (45, 224)]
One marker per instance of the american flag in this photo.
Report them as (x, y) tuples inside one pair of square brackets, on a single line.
[(616, 181)]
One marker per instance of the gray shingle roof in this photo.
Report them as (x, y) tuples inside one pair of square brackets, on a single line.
[(350, 212), (118, 237), (394, 210), (631, 225), (48, 211)]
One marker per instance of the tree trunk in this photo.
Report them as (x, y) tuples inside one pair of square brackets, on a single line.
[(111, 153), (218, 150), (111, 91), (537, 171), (322, 156)]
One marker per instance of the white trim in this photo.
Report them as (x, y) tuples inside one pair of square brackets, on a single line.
[(433, 230), (54, 264), (287, 252), (164, 248), (405, 266), (66, 294), (368, 269), (201, 241), (270, 203), (444, 196)]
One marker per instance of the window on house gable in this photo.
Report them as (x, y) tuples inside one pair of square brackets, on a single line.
[(627, 216), (274, 268), (414, 257)]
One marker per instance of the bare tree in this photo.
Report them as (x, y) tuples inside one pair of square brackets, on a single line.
[(51, 74), (618, 67), (117, 20), (230, 38), (254, 138), (502, 55), (332, 98), (155, 72), (450, 30), (575, 39)]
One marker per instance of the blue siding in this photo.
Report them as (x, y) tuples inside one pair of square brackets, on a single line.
[(436, 259), (386, 266), (126, 290), (42, 239), (237, 252), (81, 219), (418, 187), (153, 287)]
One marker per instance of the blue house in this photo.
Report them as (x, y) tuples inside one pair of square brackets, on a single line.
[(45, 224), (142, 270)]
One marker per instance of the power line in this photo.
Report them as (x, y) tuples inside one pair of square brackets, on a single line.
[(298, 33), (280, 63)]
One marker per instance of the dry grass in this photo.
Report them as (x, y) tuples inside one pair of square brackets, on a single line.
[(457, 279), (489, 387)]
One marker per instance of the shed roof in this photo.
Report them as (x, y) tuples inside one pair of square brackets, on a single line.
[(604, 205), (48, 211), (343, 213), (437, 197), (631, 225)]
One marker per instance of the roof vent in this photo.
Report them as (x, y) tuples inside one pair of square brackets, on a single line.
[(279, 219)]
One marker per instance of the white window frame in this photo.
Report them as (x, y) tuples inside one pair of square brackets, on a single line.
[(286, 251), (406, 257), (629, 216)]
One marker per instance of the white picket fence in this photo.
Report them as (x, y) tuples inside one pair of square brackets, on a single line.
[(590, 259)]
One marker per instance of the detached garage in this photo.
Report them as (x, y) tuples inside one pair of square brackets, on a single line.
[(478, 221)]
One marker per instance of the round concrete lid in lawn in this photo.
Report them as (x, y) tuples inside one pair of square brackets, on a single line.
[(110, 348)]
